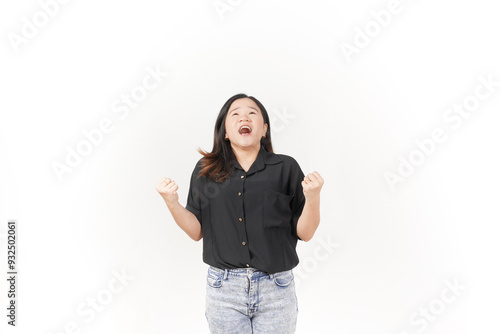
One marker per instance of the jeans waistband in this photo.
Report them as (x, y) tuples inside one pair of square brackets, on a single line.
[(241, 272)]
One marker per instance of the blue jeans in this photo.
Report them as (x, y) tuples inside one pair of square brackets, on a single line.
[(247, 300)]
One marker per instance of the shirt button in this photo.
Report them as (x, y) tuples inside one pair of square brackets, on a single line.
[(248, 265), (239, 193), (242, 176), (243, 243), (240, 219)]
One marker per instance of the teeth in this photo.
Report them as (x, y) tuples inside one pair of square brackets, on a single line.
[(245, 126)]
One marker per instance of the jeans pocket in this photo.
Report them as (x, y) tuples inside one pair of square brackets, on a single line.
[(214, 280), (284, 278)]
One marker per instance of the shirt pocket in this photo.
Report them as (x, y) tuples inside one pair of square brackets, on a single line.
[(276, 210)]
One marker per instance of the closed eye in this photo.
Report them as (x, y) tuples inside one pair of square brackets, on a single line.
[(252, 112)]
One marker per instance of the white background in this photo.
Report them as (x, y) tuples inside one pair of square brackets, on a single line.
[(353, 118)]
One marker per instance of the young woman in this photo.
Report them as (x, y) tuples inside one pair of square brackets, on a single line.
[(250, 206)]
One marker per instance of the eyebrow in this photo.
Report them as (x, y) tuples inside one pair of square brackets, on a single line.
[(239, 107)]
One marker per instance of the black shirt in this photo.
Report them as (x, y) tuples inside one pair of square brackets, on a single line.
[(250, 219)]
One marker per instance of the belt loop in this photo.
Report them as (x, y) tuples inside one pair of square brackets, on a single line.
[(225, 274)]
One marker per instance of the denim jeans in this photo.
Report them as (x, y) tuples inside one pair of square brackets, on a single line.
[(247, 300)]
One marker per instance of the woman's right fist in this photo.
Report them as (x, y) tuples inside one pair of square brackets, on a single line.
[(167, 188)]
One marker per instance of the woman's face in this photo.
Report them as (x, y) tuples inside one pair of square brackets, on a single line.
[(242, 112)]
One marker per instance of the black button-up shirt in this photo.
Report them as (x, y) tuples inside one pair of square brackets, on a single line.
[(250, 219)]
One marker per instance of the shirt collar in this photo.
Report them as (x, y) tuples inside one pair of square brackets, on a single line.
[(263, 158)]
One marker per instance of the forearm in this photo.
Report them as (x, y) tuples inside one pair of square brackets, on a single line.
[(186, 220), (309, 220)]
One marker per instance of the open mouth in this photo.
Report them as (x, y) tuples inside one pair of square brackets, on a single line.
[(245, 130)]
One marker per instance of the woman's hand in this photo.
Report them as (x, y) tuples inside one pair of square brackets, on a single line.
[(312, 186), (167, 188)]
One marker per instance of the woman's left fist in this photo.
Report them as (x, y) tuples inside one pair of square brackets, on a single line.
[(312, 186)]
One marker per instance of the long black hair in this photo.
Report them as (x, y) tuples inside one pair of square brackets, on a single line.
[(219, 164)]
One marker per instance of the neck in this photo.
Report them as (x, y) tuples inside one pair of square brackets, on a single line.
[(246, 155)]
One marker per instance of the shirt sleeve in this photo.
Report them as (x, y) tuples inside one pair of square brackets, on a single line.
[(193, 203), (298, 200)]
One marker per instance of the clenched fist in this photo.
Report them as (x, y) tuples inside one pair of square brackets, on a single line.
[(311, 186), (167, 188)]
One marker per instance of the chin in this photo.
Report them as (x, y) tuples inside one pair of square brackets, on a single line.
[(247, 144)]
